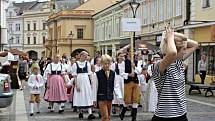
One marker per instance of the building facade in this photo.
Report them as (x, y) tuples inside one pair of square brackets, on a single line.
[(71, 31), (153, 14), (201, 28), (35, 29), (3, 25), (15, 24)]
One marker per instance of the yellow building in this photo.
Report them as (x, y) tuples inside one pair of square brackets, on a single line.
[(71, 31), (202, 29)]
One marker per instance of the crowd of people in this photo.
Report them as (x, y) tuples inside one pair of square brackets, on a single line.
[(114, 86)]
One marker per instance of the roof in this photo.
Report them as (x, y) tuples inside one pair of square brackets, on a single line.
[(24, 6), (67, 4), (96, 5)]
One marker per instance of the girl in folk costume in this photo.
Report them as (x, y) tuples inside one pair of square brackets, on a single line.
[(143, 77), (35, 83), (119, 68), (56, 90), (98, 65), (106, 85), (83, 91)]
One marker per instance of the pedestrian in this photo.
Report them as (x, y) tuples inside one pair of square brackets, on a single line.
[(106, 86), (131, 88), (119, 68), (202, 68), (83, 90), (168, 75), (22, 72), (35, 83), (143, 79), (56, 90)]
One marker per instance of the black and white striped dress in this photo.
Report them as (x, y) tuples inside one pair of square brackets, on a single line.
[(171, 90)]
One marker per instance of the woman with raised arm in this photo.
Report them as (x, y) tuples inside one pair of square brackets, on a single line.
[(169, 77)]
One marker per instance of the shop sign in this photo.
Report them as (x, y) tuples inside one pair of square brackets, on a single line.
[(131, 25)]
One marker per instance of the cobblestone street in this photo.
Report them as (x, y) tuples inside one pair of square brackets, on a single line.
[(200, 108)]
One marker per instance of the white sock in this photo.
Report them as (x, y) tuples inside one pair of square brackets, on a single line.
[(62, 104), (38, 107), (134, 105), (59, 104), (32, 107), (90, 110)]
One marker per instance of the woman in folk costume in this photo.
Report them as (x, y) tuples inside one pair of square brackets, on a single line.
[(35, 83), (119, 68), (56, 90), (83, 91)]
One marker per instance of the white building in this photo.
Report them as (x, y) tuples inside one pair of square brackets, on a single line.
[(3, 26), (15, 24), (35, 29)]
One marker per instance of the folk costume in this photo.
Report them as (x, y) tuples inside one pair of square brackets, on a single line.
[(83, 98), (35, 83), (56, 92), (119, 69), (132, 91), (106, 86)]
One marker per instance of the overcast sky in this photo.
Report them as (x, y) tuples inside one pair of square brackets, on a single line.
[(27, 0)]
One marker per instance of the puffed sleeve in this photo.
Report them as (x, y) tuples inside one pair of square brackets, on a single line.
[(74, 67), (94, 86), (30, 81), (117, 88), (42, 81), (122, 71), (89, 68), (63, 71), (48, 69)]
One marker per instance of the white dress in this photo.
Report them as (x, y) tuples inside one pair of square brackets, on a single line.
[(84, 97), (120, 78)]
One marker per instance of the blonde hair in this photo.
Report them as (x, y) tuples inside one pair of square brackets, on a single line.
[(84, 53), (106, 58)]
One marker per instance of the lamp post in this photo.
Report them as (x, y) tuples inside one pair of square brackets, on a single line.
[(134, 6)]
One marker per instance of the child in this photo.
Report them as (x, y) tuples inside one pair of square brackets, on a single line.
[(106, 86), (143, 79), (35, 83)]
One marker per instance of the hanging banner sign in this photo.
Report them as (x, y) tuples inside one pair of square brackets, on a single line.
[(131, 25)]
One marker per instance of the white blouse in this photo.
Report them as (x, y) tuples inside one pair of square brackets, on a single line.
[(81, 65)]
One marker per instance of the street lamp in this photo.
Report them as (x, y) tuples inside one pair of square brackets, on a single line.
[(134, 6)]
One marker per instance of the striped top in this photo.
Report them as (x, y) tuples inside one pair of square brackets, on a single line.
[(171, 90)]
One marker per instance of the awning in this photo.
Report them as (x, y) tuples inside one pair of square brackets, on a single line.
[(14, 52)]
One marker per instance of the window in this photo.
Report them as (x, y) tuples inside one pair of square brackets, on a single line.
[(153, 11), (17, 40), (29, 26), (35, 26), (117, 30), (161, 10), (29, 40), (10, 28), (206, 3), (44, 39), (178, 8), (80, 33), (10, 14), (35, 40), (17, 27), (169, 8), (44, 26), (145, 14)]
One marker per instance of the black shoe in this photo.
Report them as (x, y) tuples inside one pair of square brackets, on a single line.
[(38, 112), (80, 115), (134, 114), (114, 111), (31, 114), (52, 111), (91, 116), (62, 106), (122, 114), (60, 111), (49, 107), (75, 109)]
